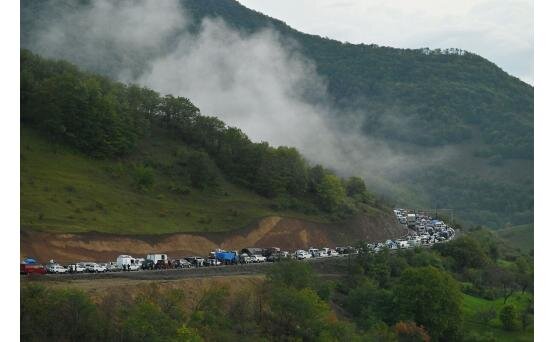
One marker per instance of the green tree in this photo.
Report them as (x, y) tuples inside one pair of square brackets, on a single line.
[(508, 317), (432, 298), (371, 305), (330, 192), (465, 252), (201, 169), (296, 314), (145, 321)]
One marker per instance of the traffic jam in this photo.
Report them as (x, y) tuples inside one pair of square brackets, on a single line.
[(422, 231)]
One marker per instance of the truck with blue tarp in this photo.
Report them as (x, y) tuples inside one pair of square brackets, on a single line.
[(227, 257)]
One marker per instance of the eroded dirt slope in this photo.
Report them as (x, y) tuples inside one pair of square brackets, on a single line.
[(286, 233)]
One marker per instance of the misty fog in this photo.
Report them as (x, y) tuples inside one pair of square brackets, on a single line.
[(256, 82)]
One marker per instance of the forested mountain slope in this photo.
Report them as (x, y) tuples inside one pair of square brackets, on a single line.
[(98, 155), (461, 127)]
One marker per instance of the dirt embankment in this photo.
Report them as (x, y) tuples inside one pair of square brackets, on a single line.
[(286, 233)]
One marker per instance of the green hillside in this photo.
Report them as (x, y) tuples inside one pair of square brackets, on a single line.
[(66, 191), (98, 155), (417, 101), (521, 237)]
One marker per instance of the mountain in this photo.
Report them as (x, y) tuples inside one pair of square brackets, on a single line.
[(99, 155), (459, 128)]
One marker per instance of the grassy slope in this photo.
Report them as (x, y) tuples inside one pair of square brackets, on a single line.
[(521, 237), (471, 305), (65, 191)]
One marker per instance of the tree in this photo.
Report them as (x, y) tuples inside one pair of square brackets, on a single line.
[(508, 317), (330, 192), (371, 305), (430, 297), (465, 251), (201, 169), (355, 186), (525, 272), (296, 314), (502, 278), (292, 273)]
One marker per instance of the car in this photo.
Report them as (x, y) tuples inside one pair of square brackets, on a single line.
[(76, 268), (273, 257), (246, 259), (56, 268), (147, 264), (302, 254), (197, 261), (333, 253), (259, 258), (93, 267), (213, 262), (113, 267), (162, 264), (32, 269), (182, 263)]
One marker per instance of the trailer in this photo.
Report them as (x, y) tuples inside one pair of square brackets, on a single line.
[(157, 257)]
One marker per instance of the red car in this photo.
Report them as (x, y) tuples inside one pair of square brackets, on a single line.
[(32, 269)]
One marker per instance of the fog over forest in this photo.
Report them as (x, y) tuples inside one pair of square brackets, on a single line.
[(256, 82)]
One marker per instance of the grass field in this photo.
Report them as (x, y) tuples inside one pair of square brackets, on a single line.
[(472, 305), (65, 191), (521, 237)]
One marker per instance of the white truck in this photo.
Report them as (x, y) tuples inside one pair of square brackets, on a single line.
[(128, 263)]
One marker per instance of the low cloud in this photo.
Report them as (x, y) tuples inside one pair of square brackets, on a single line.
[(257, 82)]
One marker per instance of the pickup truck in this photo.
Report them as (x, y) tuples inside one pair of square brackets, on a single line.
[(259, 258)]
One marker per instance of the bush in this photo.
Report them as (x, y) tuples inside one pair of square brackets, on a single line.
[(143, 177)]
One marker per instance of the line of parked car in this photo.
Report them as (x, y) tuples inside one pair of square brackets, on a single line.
[(423, 231)]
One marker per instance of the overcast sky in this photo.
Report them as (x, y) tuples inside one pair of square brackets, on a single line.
[(499, 30)]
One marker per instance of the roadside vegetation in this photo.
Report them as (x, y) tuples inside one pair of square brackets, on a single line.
[(101, 155), (463, 290)]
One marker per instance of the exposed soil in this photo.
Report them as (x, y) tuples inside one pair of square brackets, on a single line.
[(286, 233)]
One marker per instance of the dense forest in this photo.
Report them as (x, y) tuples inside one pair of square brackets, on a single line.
[(104, 119), (470, 289), (445, 93), (408, 98)]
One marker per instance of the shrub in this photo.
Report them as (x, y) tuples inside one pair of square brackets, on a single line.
[(508, 317), (143, 177)]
